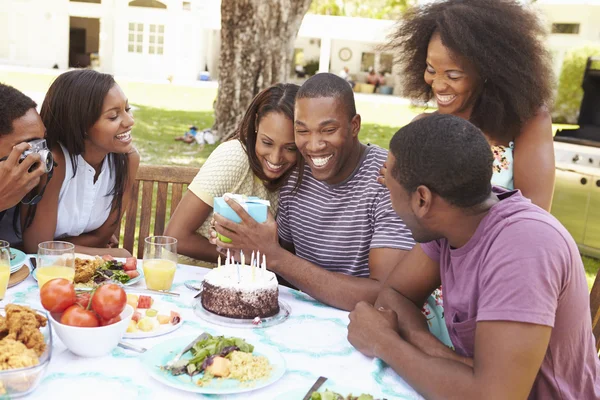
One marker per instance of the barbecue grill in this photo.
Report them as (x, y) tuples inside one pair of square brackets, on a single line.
[(576, 201)]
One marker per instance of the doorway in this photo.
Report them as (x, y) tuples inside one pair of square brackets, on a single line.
[(84, 41)]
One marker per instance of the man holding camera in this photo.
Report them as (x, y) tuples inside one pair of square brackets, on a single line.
[(20, 124)]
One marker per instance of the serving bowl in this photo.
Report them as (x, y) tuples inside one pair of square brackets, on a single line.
[(92, 342), (15, 383)]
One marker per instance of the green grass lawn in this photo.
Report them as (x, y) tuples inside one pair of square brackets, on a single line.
[(164, 111)]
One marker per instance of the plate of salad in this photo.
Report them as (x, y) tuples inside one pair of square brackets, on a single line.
[(91, 271), (330, 390), (214, 365)]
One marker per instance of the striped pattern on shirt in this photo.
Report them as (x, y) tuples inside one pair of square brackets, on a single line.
[(336, 226)]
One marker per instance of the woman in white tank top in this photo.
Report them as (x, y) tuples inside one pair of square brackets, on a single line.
[(88, 123)]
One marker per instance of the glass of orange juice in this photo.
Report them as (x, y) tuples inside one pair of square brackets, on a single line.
[(160, 262), (55, 260), (4, 267)]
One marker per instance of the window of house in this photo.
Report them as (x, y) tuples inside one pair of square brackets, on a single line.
[(386, 62), (187, 6), (367, 61), (147, 3), (136, 37), (570, 29), (156, 39)]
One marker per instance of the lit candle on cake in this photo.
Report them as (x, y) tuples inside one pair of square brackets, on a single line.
[(227, 259), (242, 258), (252, 265), (219, 262)]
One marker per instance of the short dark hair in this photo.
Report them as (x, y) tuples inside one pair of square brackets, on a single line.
[(71, 107), (502, 39), (447, 154), (13, 105), (329, 85), (278, 98)]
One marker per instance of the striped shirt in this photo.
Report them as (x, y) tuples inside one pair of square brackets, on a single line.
[(336, 226)]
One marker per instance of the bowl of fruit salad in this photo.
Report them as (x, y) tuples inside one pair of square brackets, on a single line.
[(88, 324)]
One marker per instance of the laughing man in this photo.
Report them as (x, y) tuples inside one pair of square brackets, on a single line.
[(337, 237)]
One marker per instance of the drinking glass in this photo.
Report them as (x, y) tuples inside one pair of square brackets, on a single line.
[(4, 267), (55, 260), (160, 262)]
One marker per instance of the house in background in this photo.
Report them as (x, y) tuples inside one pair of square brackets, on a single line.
[(175, 39)]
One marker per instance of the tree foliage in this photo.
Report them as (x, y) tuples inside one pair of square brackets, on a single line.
[(378, 9), (570, 93)]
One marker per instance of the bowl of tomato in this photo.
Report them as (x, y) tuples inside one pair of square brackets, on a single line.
[(92, 341), (88, 324)]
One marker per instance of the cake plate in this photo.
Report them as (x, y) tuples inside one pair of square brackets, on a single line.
[(284, 312)]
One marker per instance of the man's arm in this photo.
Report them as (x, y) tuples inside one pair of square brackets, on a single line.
[(335, 289), (405, 291), (508, 356), (332, 288)]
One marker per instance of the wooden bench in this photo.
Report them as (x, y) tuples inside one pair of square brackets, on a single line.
[(169, 180)]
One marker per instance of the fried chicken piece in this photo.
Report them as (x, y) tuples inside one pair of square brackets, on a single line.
[(14, 354), (3, 327), (23, 325), (85, 270)]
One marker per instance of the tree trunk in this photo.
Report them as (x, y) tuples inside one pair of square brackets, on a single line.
[(257, 44)]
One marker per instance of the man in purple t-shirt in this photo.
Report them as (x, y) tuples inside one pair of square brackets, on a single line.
[(515, 293)]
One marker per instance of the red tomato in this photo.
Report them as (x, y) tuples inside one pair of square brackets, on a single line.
[(108, 257), (132, 274), (136, 316), (130, 264), (79, 316), (144, 301), (109, 301), (57, 295), (83, 299), (104, 322)]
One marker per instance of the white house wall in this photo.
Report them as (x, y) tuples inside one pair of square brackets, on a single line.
[(35, 33), (357, 49), (588, 18)]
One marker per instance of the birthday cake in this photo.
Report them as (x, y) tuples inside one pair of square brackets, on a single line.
[(241, 291)]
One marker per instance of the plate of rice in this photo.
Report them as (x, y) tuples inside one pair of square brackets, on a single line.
[(246, 371)]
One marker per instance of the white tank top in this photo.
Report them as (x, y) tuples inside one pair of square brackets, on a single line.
[(83, 206)]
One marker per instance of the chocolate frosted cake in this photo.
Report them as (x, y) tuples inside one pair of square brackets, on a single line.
[(240, 291)]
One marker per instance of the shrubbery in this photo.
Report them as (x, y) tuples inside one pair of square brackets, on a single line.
[(570, 93)]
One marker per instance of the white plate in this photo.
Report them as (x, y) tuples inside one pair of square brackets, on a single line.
[(163, 308), (284, 312), (130, 282), (164, 352)]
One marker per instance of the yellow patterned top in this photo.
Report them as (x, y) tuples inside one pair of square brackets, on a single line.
[(227, 170)]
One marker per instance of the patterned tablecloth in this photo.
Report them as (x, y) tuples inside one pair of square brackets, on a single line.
[(313, 342)]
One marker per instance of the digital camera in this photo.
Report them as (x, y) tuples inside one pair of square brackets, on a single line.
[(39, 146)]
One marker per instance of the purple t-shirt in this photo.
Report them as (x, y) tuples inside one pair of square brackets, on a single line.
[(522, 265)]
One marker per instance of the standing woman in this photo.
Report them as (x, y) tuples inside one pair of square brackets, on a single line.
[(88, 122), (257, 162), (484, 61)]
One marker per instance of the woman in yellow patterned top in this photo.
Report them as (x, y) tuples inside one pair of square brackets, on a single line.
[(255, 163)]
